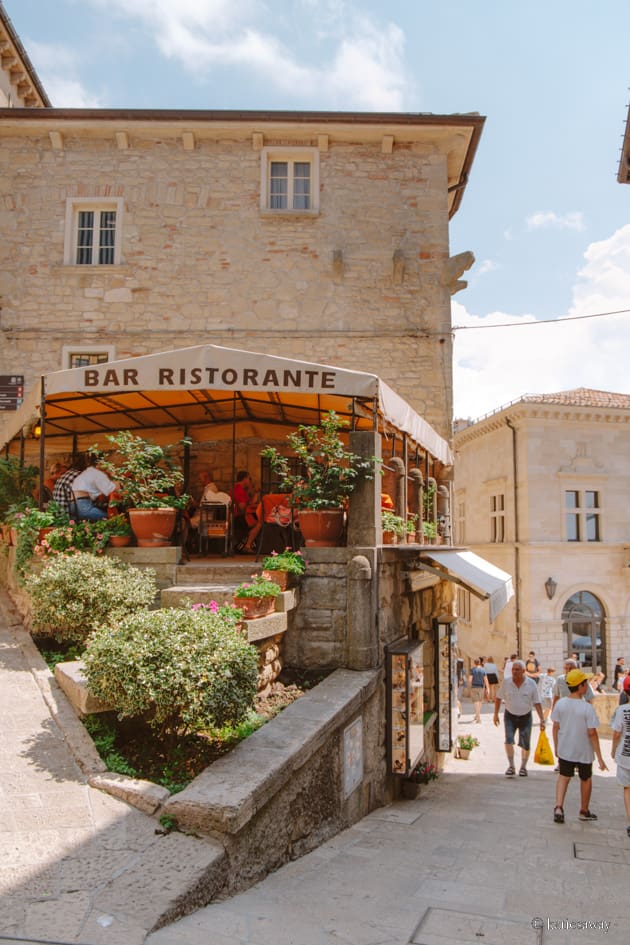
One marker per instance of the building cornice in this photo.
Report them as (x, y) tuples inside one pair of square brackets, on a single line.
[(457, 136), (523, 411)]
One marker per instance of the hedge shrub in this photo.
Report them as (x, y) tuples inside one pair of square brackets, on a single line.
[(184, 670), (76, 594)]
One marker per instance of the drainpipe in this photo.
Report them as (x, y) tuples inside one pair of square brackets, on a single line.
[(517, 562)]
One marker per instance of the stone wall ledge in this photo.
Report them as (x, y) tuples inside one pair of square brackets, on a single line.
[(228, 794)]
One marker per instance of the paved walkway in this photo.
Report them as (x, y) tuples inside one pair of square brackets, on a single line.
[(474, 860), (477, 859), (76, 865)]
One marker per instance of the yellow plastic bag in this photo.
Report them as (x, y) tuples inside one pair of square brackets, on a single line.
[(543, 754)]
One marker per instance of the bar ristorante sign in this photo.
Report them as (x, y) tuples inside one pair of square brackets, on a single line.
[(239, 378)]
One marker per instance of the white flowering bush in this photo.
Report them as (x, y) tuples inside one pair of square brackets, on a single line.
[(184, 670), (76, 594)]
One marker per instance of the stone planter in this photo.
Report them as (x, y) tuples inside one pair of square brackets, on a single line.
[(281, 578), (464, 753), (253, 607), (152, 527)]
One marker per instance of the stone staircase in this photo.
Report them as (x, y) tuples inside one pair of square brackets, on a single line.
[(206, 580), (217, 579)]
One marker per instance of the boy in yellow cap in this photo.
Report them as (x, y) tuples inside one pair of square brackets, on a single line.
[(576, 743)]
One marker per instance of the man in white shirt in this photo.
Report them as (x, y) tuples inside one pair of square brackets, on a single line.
[(88, 486), (576, 742), (520, 695), (620, 725)]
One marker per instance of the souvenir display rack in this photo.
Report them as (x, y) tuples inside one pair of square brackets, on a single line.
[(405, 705), (444, 629)]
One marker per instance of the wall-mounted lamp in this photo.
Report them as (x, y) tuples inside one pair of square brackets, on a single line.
[(37, 429), (550, 587)]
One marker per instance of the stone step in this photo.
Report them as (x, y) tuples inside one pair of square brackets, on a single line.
[(176, 595), (216, 571)]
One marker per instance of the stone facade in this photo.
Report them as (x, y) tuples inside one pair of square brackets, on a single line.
[(573, 442), (363, 280)]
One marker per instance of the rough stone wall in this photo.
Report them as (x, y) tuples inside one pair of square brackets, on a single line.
[(201, 263)]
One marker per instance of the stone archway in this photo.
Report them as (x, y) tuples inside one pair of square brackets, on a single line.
[(584, 630)]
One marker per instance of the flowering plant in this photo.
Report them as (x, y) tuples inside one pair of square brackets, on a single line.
[(229, 613), (117, 525), (259, 586), (467, 742), (74, 538), (290, 561), (423, 773)]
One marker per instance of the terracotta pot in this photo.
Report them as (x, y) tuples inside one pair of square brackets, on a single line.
[(322, 529), (281, 578), (253, 607), (152, 527), (390, 538), (119, 541), (13, 536), (464, 753), (43, 532)]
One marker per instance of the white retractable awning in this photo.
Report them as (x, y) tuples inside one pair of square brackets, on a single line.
[(476, 574)]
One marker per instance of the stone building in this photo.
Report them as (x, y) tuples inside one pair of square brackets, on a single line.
[(540, 490), (317, 236)]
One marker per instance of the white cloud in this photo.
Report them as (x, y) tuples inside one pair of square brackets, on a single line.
[(360, 62), (488, 265), (492, 367), (57, 67), (547, 219)]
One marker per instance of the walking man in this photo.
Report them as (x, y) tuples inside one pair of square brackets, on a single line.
[(520, 694), (620, 725), (576, 742)]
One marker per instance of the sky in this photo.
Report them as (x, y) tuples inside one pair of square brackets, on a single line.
[(543, 213)]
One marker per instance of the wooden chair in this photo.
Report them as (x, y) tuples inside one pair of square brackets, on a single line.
[(214, 524)]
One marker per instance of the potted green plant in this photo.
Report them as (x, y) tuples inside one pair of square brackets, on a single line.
[(256, 598), (17, 483), (31, 525), (280, 567), (465, 744), (411, 527), (328, 474), (429, 531), (394, 527), (423, 773), (118, 531), (148, 478)]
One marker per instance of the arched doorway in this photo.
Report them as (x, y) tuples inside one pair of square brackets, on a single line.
[(583, 628)]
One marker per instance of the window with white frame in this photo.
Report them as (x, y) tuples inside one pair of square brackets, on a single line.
[(582, 515), (84, 355), (93, 231), (497, 517), (290, 180)]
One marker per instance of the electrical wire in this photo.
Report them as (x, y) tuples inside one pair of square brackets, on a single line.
[(542, 321)]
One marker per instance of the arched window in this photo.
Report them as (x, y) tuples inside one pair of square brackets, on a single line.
[(583, 625)]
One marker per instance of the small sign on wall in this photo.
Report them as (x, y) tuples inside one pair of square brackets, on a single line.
[(352, 757)]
